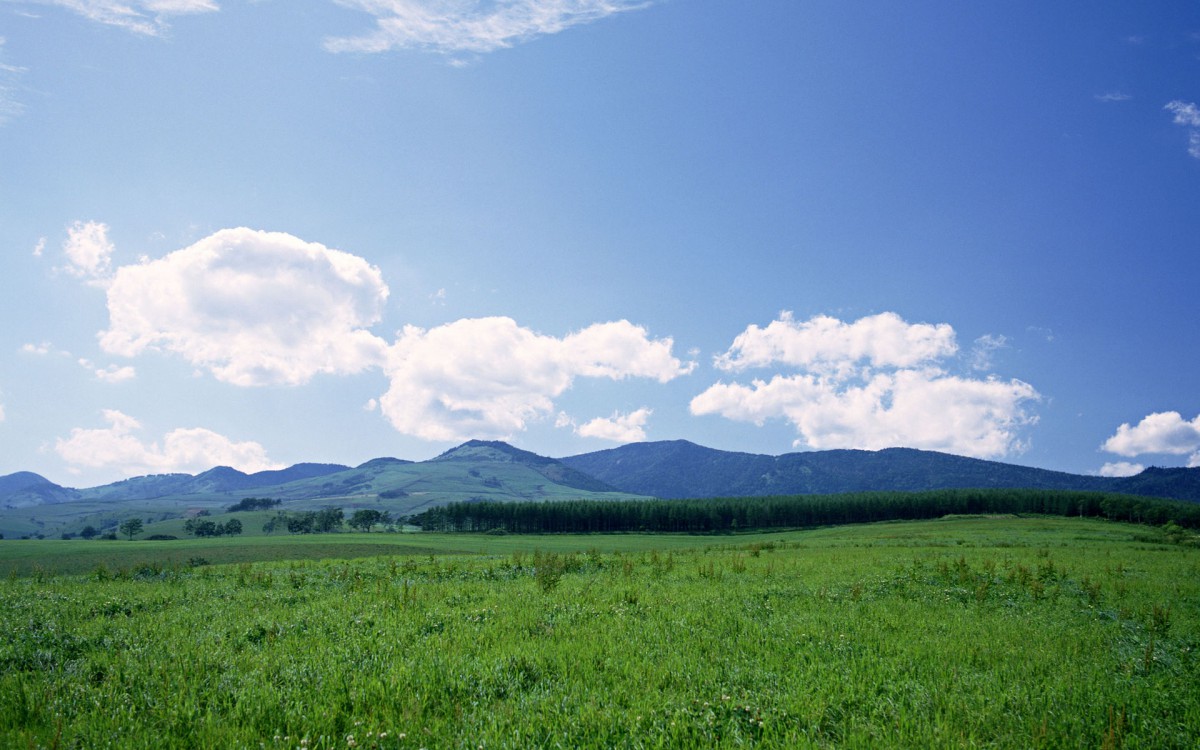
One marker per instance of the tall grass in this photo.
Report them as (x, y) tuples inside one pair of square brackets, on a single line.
[(997, 632)]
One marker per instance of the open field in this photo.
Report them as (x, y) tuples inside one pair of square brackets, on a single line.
[(1002, 632)]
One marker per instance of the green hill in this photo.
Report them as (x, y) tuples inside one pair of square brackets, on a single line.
[(473, 472)]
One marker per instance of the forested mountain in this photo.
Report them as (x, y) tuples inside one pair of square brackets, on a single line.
[(680, 469), (490, 470)]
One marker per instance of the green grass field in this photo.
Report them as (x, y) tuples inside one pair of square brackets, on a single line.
[(963, 632)]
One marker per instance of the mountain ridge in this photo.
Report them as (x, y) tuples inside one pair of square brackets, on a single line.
[(678, 469), (668, 469)]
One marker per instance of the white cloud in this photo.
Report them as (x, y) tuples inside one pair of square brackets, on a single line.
[(252, 307), (9, 75), (473, 26), (183, 450), (88, 250), (871, 384), (1113, 96), (489, 377), (1120, 469), (924, 408), (1161, 432), (40, 350), (40, 247), (1188, 115), (110, 374), (619, 428), (826, 343), (984, 349), (148, 17)]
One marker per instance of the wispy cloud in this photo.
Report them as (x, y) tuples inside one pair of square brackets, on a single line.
[(110, 374), (984, 350), (147, 17), (1112, 96), (10, 107), (1188, 115), (469, 26)]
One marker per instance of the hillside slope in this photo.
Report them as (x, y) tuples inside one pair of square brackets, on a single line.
[(680, 469)]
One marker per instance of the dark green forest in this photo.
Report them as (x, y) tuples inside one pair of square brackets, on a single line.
[(716, 515)]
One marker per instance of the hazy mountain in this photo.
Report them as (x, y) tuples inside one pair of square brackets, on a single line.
[(488, 470), (680, 469), (220, 479), (25, 488)]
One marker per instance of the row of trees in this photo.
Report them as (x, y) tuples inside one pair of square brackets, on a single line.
[(793, 511), (252, 503), (202, 527), (327, 520)]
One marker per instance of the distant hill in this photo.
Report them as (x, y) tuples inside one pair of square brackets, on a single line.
[(494, 471), (216, 480), (553, 470), (472, 472), (25, 489), (680, 469)]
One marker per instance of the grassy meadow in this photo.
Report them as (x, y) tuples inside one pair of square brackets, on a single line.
[(960, 632)]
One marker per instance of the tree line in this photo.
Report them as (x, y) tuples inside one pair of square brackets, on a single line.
[(326, 520), (794, 511)]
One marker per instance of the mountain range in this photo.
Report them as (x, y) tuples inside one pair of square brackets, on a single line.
[(664, 469), (680, 469)]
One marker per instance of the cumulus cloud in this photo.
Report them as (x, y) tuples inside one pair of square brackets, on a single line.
[(1188, 115), (870, 384), (473, 26), (1120, 469), (489, 377), (619, 428), (251, 307), (147, 17), (183, 450), (826, 343), (88, 251), (1161, 432)]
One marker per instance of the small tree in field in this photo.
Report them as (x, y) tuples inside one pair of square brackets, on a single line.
[(131, 527)]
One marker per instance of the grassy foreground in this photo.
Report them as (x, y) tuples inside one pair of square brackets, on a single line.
[(954, 633)]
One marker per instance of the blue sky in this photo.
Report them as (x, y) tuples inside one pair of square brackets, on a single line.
[(255, 233)]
